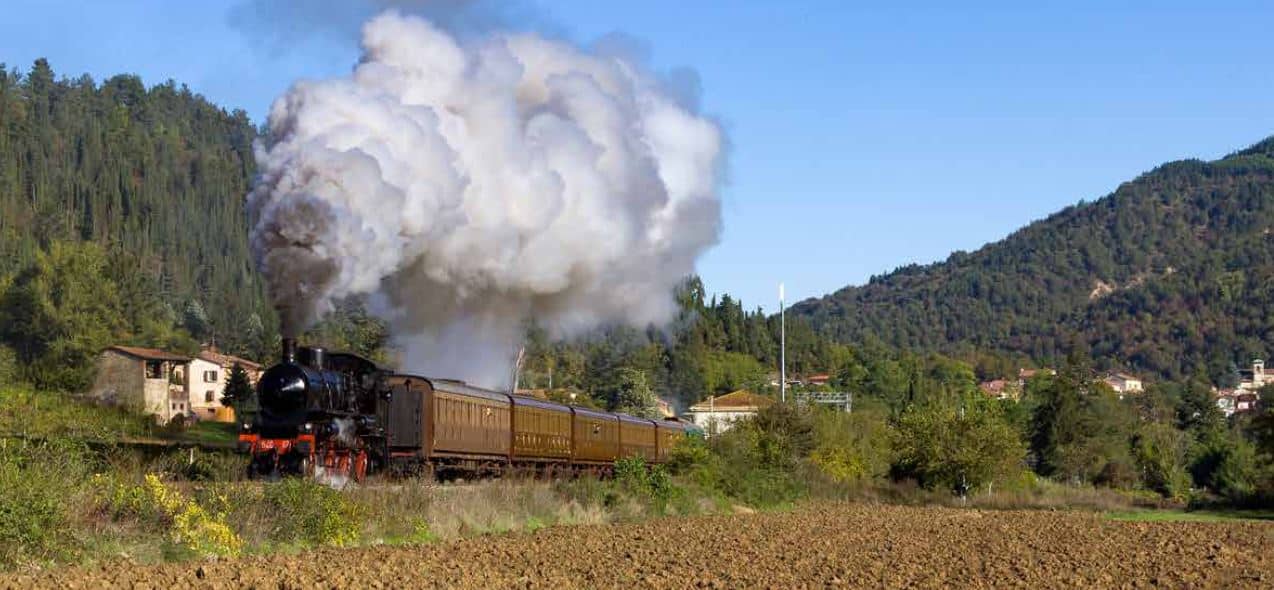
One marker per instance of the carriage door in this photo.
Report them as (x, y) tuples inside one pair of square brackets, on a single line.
[(403, 420)]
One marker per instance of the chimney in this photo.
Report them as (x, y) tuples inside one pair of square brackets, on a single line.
[(289, 350)]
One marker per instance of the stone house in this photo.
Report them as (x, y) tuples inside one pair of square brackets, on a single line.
[(719, 413), (146, 380)]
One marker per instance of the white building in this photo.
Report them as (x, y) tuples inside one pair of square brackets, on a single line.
[(719, 413), (208, 374), (1124, 383), (1256, 379)]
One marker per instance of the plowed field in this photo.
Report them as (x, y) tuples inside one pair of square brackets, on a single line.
[(850, 545)]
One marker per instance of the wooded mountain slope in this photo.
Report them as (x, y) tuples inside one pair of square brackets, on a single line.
[(150, 184), (1172, 274)]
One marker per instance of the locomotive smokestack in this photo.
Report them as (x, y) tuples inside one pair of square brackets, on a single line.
[(289, 350)]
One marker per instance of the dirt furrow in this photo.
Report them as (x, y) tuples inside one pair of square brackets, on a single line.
[(850, 545)]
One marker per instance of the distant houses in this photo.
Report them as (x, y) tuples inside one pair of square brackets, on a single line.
[(1121, 383), (1246, 395), (165, 384), (1011, 389), (718, 413)]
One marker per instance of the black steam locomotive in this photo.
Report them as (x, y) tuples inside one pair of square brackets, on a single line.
[(340, 416), (317, 412)]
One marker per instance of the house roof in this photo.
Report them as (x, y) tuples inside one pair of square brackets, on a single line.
[(995, 385), (149, 354), (735, 401), (228, 360)]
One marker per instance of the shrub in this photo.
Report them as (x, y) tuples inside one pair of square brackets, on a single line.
[(8, 365), (648, 483), (312, 513), (754, 466), (38, 483), (192, 527), (851, 448)]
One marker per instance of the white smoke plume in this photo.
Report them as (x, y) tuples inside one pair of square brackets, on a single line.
[(469, 186)]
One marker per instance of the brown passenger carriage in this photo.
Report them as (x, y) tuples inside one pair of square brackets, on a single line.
[(637, 438), (541, 431)]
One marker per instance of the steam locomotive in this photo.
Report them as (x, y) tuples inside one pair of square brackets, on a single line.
[(337, 415)]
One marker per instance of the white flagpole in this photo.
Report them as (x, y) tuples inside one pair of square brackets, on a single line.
[(782, 347)]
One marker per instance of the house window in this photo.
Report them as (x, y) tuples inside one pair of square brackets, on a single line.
[(209, 396), (154, 369), (209, 376)]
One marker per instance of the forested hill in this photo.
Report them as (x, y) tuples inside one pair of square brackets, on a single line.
[(121, 220), (1172, 274)]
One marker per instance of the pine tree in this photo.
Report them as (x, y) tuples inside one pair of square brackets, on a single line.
[(238, 388)]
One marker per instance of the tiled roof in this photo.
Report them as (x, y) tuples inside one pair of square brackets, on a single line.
[(228, 360), (735, 401), (150, 354)]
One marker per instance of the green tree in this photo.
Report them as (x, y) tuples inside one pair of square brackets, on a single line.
[(1080, 430), (957, 448), (1162, 452), (631, 394), (238, 388), (60, 313)]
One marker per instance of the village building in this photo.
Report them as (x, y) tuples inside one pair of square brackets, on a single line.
[(718, 413), (1123, 384), (817, 380), (1256, 378), (1002, 389), (1246, 396), (165, 384), (208, 373), (145, 380)]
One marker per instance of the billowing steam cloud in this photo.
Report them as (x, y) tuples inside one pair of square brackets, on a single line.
[(467, 187)]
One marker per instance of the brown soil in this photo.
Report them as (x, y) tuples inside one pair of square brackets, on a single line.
[(851, 545)]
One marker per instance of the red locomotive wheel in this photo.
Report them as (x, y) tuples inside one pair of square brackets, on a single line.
[(360, 467)]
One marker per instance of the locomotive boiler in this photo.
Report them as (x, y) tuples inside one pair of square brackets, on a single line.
[(340, 416)]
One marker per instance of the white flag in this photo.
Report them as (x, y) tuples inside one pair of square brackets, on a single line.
[(780, 291)]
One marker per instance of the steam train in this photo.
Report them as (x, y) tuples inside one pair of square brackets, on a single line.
[(338, 415)]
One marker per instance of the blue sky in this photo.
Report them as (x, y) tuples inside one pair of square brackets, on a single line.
[(863, 138)]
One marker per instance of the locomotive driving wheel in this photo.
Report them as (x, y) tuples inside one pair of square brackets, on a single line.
[(360, 467)]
